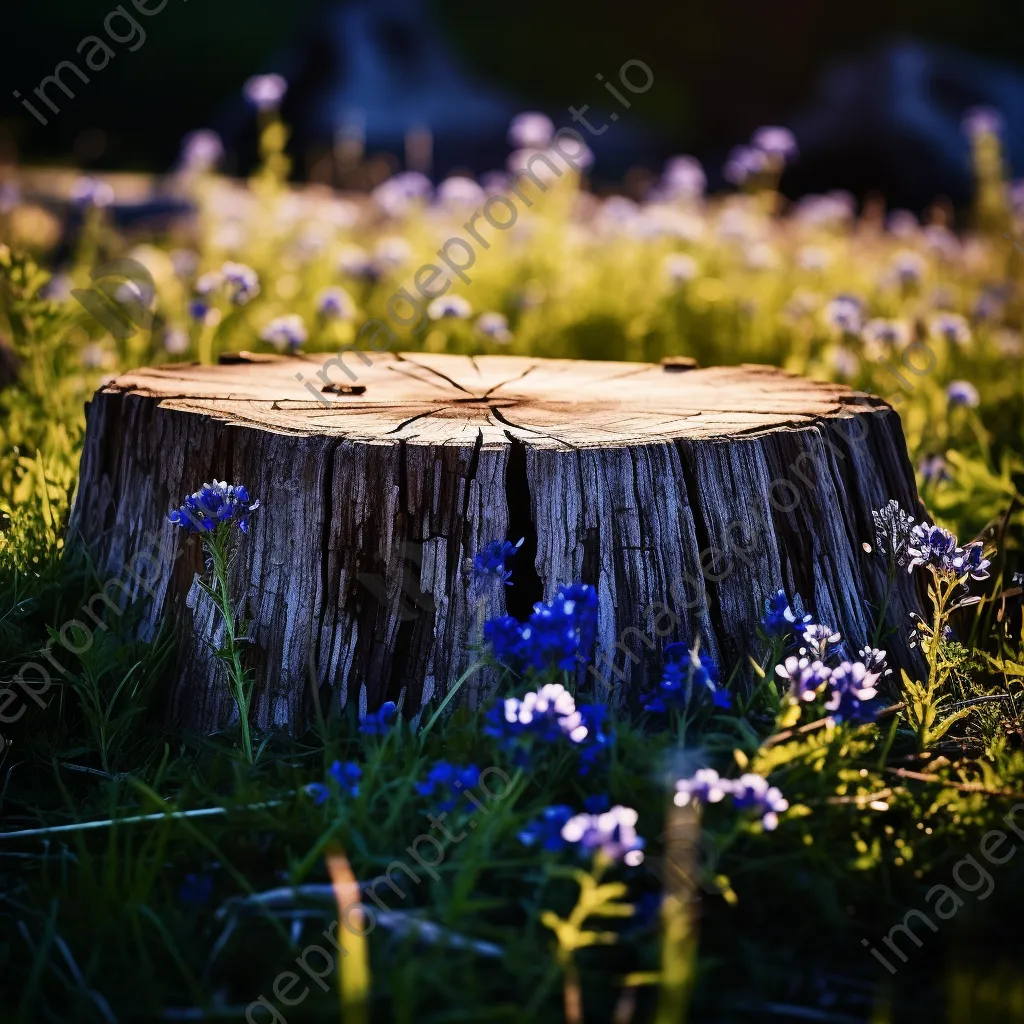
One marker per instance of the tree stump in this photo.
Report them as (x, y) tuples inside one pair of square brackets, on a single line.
[(685, 496)]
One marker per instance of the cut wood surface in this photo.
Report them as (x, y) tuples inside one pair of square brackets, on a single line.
[(357, 570)]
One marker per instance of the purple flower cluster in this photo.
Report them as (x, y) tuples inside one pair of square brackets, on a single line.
[(683, 177), (821, 640), (212, 505), (770, 149), (845, 313), (806, 678), (937, 547), (494, 326), (288, 331), (557, 632), (241, 282), (853, 685), (531, 130), (490, 563), (689, 673), (402, 192), (335, 304), (963, 392), (549, 713), (850, 685), (612, 834), (748, 792)]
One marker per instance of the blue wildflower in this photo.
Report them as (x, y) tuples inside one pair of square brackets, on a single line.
[(199, 310), (934, 469), (776, 142), (747, 792), (969, 560), (490, 563), (547, 829), (241, 282), (781, 617), (549, 639), (845, 313), (451, 307), (597, 741), (597, 803), (287, 331), (347, 776), (447, 781), (549, 713), (554, 636), (932, 545), (195, 890), (705, 785), (494, 326), (380, 721), (583, 600), (212, 505), (502, 635), (688, 674), (647, 911), (963, 392), (754, 792), (335, 304), (87, 192), (318, 793)]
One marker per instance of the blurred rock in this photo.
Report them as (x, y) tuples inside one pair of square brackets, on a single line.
[(379, 76), (891, 120)]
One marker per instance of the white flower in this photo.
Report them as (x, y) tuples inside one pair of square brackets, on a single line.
[(679, 268), (495, 326), (287, 331), (449, 307), (265, 92), (531, 130)]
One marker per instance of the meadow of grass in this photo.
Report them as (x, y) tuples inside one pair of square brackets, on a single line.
[(738, 904)]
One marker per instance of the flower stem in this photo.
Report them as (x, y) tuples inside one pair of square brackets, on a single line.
[(216, 545)]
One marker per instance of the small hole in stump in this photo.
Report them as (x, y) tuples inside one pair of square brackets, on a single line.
[(678, 364), (343, 389)]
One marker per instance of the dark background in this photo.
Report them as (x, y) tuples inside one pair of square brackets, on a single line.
[(723, 67)]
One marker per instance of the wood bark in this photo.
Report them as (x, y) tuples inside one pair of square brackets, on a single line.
[(699, 491)]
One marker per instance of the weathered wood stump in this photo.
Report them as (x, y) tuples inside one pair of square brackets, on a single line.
[(702, 491)]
